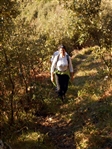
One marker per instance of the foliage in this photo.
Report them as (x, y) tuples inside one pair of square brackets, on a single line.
[(92, 18), (85, 116), (94, 24), (105, 55), (29, 32), (21, 60)]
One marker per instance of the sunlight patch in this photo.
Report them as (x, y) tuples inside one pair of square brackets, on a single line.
[(33, 136)]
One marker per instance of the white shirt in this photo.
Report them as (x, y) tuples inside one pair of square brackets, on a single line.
[(61, 64), (54, 54)]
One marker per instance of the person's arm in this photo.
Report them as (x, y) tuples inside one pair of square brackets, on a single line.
[(53, 68), (52, 77), (71, 69)]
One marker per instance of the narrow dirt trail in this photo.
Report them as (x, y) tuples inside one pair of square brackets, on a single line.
[(58, 130)]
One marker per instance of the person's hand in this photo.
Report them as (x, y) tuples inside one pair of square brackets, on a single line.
[(52, 78)]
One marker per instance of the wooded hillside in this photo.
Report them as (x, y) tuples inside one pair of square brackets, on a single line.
[(30, 31)]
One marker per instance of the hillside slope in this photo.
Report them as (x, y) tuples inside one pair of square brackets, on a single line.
[(83, 121)]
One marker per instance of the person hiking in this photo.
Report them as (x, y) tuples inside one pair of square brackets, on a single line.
[(63, 68), (52, 58), (55, 54)]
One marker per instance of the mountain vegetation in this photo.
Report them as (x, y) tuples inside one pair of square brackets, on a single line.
[(30, 115)]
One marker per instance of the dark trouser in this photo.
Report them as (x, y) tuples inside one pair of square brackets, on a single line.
[(62, 83)]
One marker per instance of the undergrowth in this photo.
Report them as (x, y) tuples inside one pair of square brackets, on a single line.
[(88, 108)]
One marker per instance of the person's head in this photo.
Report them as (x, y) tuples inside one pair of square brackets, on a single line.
[(62, 49)]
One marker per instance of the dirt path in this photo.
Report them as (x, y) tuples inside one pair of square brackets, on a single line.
[(58, 130)]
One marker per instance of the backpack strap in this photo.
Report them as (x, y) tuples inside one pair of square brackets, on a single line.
[(67, 56)]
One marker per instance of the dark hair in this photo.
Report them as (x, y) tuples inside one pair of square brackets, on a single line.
[(61, 46)]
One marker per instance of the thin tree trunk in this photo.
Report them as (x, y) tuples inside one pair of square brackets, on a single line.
[(12, 89)]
